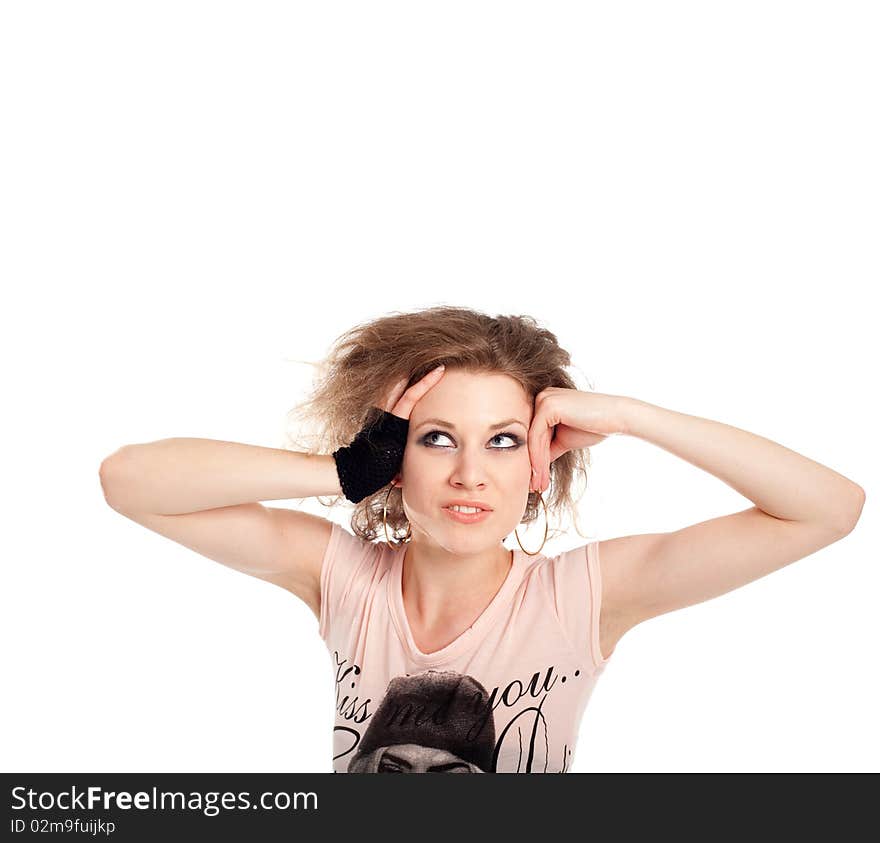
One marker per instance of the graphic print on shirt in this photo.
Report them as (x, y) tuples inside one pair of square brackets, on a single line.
[(443, 722), (433, 722)]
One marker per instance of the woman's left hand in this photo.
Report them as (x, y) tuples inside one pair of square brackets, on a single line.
[(565, 419)]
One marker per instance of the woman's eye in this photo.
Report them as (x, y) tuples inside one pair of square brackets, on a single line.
[(429, 437), (429, 441)]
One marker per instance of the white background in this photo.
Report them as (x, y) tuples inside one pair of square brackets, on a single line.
[(194, 194)]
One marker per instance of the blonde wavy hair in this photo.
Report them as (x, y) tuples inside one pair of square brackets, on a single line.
[(365, 361)]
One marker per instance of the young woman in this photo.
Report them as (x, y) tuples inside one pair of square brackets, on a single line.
[(447, 429)]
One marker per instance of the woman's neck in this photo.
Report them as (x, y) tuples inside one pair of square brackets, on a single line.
[(441, 588)]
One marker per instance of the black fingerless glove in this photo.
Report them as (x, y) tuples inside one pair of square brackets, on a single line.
[(373, 458)]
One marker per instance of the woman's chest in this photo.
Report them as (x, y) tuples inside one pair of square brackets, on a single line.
[(498, 712)]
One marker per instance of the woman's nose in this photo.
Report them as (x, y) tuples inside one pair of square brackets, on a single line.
[(470, 468)]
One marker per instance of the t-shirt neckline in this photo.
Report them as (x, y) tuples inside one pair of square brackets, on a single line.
[(467, 640)]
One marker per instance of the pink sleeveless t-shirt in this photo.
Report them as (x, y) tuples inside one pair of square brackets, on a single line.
[(507, 695)]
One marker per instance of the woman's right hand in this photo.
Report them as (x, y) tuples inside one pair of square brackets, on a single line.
[(374, 457), (400, 401)]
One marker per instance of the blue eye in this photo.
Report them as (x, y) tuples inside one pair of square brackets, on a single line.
[(513, 437)]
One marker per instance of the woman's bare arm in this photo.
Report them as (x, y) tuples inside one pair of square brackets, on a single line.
[(205, 494), (174, 476)]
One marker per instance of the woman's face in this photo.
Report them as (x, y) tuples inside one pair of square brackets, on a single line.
[(466, 457)]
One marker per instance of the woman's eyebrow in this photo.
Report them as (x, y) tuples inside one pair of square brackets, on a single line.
[(451, 426)]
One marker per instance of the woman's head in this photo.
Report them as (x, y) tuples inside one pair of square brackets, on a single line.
[(495, 366), (467, 443)]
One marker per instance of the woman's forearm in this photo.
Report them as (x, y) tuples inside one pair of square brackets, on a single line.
[(781, 482), (178, 475)]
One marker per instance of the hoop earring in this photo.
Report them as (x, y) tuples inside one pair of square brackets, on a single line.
[(546, 530), (407, 537)]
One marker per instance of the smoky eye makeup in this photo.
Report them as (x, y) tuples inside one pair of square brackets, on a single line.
[(428, 442)]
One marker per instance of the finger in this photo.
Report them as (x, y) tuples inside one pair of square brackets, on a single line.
[(548, 459), (545, 458), (393, 395), (540, 435), (535, 480), (411, 397), (550, 455), (533, 442)]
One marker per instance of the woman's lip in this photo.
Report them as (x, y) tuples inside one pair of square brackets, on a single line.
[(467, 517), (481, 508)]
